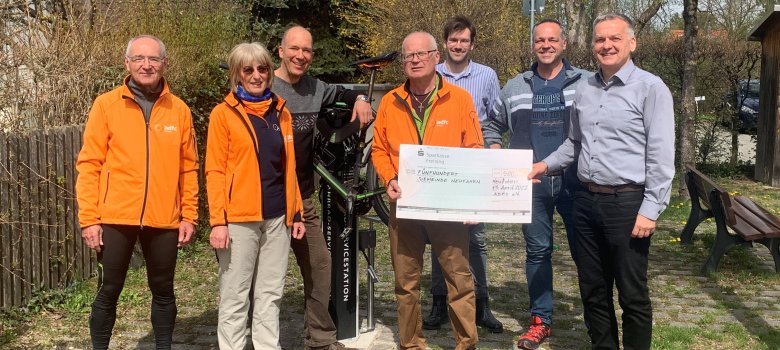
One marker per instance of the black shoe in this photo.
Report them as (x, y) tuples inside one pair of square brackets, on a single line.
[(485, 317), (439, 314)]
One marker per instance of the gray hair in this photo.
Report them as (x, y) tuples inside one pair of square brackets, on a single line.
[(434, 45), (615, 15), (147, 36)]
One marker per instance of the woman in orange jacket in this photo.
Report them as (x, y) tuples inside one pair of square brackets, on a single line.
[(254, 201)]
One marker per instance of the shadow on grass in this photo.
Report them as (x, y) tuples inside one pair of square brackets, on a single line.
[(509, 302), (752, 321), (742, 260), (200, 332)]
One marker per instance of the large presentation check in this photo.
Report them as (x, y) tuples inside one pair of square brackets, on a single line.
[(464, 184)]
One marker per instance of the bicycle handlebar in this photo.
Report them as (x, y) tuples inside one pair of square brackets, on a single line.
[(376, 62)]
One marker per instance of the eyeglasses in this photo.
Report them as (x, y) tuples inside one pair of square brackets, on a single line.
[(153, 60), (248, 70), (456, 41), (421, 55)]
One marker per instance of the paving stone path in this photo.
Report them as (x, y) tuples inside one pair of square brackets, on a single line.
[(681, 297)]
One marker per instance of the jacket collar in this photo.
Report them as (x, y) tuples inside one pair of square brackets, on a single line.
[(443, 88), (232, 101), (129, 94), (567, 69)]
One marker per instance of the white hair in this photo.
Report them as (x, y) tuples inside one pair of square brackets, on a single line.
[(430, 37), (142, 36)]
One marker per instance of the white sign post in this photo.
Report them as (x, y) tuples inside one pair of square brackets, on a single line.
[(530, 7)]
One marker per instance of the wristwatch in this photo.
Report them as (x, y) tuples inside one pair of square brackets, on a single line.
[(363, 98)]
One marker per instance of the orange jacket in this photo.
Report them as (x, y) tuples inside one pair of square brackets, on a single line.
[(452, 122), (134, 173), (232, 169)]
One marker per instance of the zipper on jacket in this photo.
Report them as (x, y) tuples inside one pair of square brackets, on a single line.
[(146, 180), (271, 109), (230, 191), (146, 183), (108, 181)]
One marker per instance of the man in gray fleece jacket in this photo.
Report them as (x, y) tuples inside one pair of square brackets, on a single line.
[(534, 108), (305, 97)]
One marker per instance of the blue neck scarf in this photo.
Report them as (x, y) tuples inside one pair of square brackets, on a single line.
[(245, 96)]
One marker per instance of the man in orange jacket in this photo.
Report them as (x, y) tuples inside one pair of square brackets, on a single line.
[(426, 110), (138, 180)]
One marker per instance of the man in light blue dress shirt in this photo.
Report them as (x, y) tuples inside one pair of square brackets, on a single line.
[(482, 83), (623, 126)]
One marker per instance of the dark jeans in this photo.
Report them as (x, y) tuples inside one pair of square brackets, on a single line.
[(313, 257), (550, 194), (477, 262), (159, 248), (608, 256)]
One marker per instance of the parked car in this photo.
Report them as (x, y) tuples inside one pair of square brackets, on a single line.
[(747, 98)]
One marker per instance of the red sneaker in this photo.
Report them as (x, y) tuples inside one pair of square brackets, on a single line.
[(535, 335)]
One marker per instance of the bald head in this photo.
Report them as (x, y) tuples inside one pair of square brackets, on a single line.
[(296, 33), (418, 37), (295, 54)]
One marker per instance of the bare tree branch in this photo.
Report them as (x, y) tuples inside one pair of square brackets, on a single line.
[(648, 14)]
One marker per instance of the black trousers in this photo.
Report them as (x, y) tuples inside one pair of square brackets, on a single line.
[(160, 249), (607, 256)]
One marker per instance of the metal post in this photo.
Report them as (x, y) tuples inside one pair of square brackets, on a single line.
[(370, 322), (531, 29), (371, 277)]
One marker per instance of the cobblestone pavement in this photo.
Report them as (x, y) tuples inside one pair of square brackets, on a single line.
[(681, 298)]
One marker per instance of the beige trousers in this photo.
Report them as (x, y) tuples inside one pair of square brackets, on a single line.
[(257, 256), (407, 247)]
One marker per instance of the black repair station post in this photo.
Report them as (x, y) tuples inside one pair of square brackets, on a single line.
[(343, 252), (335, 160)]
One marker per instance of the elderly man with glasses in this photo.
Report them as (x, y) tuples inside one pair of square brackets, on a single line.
[(482, 83), (426, 110), (138, 181)]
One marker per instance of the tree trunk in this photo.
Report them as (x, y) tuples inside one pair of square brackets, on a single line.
[(577, 21), (687, 125), (734, 145), (89, 11), (603, 6)]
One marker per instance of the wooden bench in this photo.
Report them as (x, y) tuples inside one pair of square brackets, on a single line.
[(748, 221)]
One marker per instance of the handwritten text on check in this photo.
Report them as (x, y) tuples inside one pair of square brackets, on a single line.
[(464, 184)]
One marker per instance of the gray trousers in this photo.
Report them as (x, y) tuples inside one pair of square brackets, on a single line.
[(256, 259), (477, 262)]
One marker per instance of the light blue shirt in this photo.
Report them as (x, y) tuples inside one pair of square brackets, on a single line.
[(479, 80), (625, 131)]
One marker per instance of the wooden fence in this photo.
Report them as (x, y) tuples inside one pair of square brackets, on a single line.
[(40, 240)]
